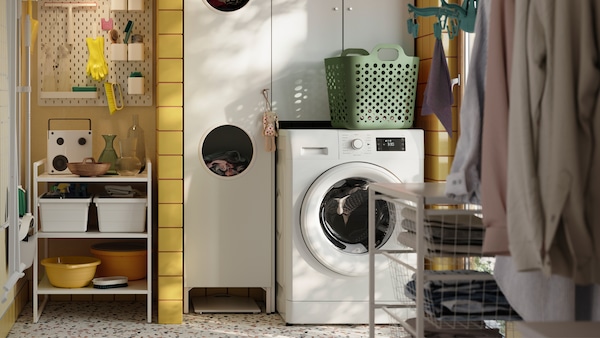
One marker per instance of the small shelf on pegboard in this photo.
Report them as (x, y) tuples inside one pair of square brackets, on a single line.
[(69, 95)]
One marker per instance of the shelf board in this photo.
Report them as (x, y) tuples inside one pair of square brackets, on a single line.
[(135, 287), (69, 95), (45, 177), (92, 234)]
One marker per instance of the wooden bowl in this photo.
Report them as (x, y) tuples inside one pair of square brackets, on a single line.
[(89, 167)]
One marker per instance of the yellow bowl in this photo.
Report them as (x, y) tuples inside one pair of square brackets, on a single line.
[(70, 271)]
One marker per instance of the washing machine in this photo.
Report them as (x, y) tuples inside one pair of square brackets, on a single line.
[(322, 266)]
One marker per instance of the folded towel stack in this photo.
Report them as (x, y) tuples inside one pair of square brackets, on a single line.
[(121, 191), (479, 298)]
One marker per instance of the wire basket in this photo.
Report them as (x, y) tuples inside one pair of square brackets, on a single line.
[(459, 290), (366, 92)]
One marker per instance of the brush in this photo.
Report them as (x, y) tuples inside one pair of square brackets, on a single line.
[(110, 282), (110, 96), (128, 29)]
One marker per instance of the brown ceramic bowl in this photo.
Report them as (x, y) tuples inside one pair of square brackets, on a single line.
[(89, 167)]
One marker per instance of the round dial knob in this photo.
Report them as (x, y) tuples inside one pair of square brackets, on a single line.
[(357, 143)]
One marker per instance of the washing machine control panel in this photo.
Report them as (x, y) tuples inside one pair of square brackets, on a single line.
[(354, 145), (357, 144)]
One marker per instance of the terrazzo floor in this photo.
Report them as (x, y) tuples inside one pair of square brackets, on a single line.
[(128, 319)]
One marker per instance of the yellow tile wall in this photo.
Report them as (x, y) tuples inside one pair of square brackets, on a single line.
[(169, 70), (170, 118), (170, 166), (170, 215), (169, 142), (439, 146), (168, 239), (169, 157)]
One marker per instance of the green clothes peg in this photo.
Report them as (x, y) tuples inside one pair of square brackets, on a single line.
[(437, 30), (466, 14), (413, 27)]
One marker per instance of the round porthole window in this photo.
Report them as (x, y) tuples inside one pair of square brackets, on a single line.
[(226, 151), (227, 5)]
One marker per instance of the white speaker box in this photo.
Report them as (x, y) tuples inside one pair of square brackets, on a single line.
[(66, 146)]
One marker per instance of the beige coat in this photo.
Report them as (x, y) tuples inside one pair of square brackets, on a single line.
[(553, 202)]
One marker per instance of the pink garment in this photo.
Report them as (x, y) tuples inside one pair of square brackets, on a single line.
[(223, 167), (494, 136)]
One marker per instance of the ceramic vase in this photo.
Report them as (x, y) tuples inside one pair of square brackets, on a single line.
[(109, 155)]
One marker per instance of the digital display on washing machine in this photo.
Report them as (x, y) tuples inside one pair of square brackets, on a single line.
[(391, 144)]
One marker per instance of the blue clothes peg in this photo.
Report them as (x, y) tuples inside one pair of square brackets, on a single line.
[(413, 27)]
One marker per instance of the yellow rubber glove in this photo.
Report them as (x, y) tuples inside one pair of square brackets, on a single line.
[(97, 67)]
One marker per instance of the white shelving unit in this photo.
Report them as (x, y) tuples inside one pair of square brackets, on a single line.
[(427, 215), (43, 287)]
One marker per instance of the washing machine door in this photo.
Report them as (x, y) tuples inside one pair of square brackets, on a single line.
[(334, 217)]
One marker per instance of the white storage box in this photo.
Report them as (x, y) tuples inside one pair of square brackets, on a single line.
[(64, 214), (121, 214)]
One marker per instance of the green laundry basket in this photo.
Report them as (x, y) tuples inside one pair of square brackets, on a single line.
[(366, 92)]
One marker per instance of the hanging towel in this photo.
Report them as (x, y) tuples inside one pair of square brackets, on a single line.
[(438, 97)]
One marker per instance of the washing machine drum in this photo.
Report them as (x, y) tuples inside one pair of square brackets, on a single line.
[(334, 217), (344, 211)]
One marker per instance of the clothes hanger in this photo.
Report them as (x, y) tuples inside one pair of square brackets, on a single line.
[(451, 17)]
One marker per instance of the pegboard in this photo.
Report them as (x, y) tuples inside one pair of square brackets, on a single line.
[(62, 66)]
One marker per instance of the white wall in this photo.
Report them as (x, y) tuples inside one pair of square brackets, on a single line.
[(305, 32)]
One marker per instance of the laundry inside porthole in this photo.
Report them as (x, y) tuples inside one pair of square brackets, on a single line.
[(344, 214), (227, 5), (227, 151)]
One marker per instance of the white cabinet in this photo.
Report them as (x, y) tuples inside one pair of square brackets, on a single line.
[(229, 220), (458, 293), (42, 287), (371, 22), (305, 32)]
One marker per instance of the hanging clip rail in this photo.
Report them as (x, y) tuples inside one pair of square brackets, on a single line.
[(449, 16)]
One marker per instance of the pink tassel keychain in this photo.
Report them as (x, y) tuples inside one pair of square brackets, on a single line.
[(270, 124)]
